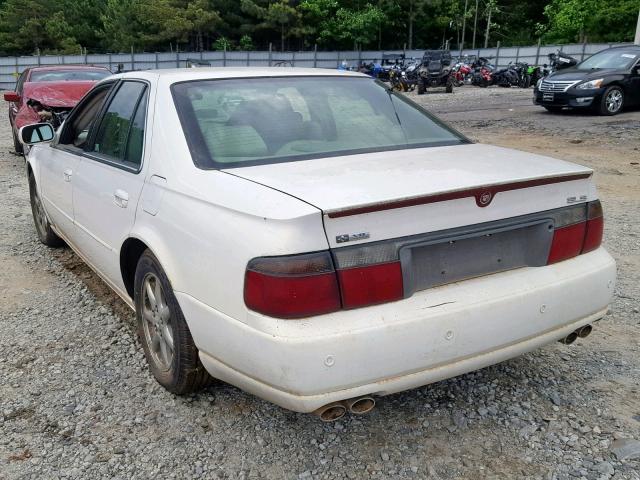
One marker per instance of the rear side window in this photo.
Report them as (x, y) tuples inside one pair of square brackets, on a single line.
[(252, 121), (121, 132)]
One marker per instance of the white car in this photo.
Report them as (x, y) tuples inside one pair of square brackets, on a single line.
[(311, 236)]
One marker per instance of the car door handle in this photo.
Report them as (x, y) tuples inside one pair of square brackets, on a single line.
[(68, 173), (121, 198)]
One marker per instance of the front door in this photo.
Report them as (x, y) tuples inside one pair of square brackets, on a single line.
[(58, 164), (109, 179)]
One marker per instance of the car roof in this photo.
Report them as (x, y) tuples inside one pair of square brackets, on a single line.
[(175, 75), (627, 48)]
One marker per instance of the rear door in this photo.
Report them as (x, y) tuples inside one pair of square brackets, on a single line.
[(110, 179)]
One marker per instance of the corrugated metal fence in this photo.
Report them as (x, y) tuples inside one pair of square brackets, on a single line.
[(10, 67)]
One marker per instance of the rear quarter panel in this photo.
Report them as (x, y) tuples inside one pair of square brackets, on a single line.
[(208, 224)]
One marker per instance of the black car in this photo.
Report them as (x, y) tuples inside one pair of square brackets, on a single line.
[(606, 82)]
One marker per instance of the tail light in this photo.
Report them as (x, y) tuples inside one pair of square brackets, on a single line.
[(368, 285), (292, 287), (595, 227), (300, 286), (582, 235)]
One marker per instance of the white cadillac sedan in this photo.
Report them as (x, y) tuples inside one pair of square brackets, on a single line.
[(311, 236)]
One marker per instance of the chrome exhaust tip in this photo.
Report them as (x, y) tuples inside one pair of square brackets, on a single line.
[(359, 405), (331, 412), (569, 339), (584, 331)]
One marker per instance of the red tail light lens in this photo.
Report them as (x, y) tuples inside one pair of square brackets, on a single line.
[(369, 285), (582, 237), (567, 242), (292, 287)]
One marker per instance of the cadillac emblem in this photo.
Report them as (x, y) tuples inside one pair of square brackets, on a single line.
[(484, 199)]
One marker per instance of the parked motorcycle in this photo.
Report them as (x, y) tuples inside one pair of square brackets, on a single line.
[(461, 72), (560, 61), (482, 74)]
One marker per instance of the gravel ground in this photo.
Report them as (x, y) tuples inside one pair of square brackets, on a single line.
[(76, 400)]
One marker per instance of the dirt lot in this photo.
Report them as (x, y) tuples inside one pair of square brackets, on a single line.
[(76, 400)]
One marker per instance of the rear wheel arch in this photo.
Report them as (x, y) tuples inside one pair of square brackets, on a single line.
[(130, 252), (132, 249)]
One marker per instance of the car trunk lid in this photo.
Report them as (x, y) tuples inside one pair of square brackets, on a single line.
[(372, 197)]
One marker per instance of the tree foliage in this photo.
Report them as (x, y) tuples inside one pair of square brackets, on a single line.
[(71, 26), (590, 20)]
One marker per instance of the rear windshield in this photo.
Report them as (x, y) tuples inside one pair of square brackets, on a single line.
[(252, 121), (68, 75)]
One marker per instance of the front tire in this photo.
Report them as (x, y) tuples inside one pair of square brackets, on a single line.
[(612, 101), (45, 233), (163, 332), (17, 146)]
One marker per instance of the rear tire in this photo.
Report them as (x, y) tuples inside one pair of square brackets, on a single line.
[(45, 233), (421, 88), (163, 332), (612, 101), (449, 87)]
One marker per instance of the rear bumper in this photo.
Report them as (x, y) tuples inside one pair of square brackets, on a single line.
[(572, 98), (436, 334)]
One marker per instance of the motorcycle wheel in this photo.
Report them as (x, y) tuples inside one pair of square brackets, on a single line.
[(449, 87)]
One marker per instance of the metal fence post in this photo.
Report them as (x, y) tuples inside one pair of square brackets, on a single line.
[(293, 59), (315, 55), (224, 56), (498, 55), (270, 52), (538, 51), (177, 59), (157, 64), (517, 54), (584, 48), (248, 57), (133, 60), (338, 60)]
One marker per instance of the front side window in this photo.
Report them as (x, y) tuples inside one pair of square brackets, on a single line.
[(241, 122), (121, 132), (82, 118)]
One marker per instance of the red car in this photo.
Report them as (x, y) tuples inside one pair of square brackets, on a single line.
[(47, 94)]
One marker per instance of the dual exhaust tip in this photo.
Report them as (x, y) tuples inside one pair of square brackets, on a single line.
[(336, 410), (582, 332)]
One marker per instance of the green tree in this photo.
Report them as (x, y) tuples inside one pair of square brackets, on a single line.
[(582, 20)]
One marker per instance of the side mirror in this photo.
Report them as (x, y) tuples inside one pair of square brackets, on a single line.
[(11, 97), (36, 133)]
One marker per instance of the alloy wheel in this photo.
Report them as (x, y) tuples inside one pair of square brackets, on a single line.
[(158, 328), (614, 101)]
